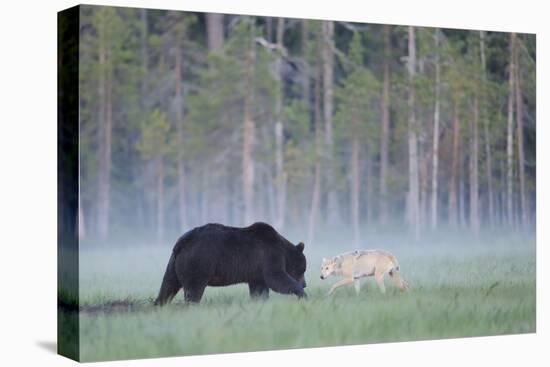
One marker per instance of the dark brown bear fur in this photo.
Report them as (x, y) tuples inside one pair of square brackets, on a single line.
[(218, 255)]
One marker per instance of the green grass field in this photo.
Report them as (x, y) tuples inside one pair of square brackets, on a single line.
[(486, 288)]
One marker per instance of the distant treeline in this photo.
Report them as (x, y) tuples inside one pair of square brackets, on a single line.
[(187, 118)]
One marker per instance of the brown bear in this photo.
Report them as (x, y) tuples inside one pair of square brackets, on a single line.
[(217, 255)]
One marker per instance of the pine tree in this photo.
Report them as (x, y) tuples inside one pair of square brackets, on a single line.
[(154, 146), (356, 115), (413, 195)]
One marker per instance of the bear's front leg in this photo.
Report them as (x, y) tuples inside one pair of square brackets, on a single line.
[(281, 282), (258, 289), (276, 277)]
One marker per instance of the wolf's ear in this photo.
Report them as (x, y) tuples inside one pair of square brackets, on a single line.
[(324, 259), (300, 246)]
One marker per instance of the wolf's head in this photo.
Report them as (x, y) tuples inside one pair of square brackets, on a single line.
[(328, 266)]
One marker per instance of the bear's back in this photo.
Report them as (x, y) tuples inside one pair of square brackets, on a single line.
[(216, 234)]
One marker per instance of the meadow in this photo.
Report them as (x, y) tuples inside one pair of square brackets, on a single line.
[(459, 288)]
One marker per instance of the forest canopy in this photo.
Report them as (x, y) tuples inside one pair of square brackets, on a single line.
[(188, 118)]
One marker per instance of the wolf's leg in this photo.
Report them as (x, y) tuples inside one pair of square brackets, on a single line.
[(339, 284), (398, 281), (357, 284), (380, 281)]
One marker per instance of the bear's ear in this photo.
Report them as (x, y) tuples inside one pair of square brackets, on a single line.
[(300, 246)]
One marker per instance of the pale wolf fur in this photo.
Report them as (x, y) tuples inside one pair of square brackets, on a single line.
[(353, 266)]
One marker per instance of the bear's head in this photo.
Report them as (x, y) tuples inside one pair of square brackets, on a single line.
[(296, 263)]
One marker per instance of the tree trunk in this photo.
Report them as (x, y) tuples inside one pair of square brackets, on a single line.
[(224, 195), (182, 204), (270, 195), (474, 190), (316, 193), (510, 135), (423, 180), (281, 176), (306, 85), (521, 155), (305, 81), (269, 29), (160, 200), (81, 220), (328, 101), (354, 197), (328, 81), (487, 140), (368, 184), (384, 130), (412, 138), (144, 57), (101, 192), (248, 132), (502, 202), (138, 172), (461, 191), (355, 190), (214, 29), (453, 212), (435, 142), (205, 197), (108, 149), (215, 41), (105, 136)]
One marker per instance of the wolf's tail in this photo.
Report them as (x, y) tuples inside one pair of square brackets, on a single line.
[(170, 284)]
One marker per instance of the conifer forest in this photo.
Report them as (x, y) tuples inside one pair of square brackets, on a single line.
[(309, 125)]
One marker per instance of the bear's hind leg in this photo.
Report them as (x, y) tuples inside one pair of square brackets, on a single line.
[(170, 284), (193, 291), (168, 291), (258, 290)]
